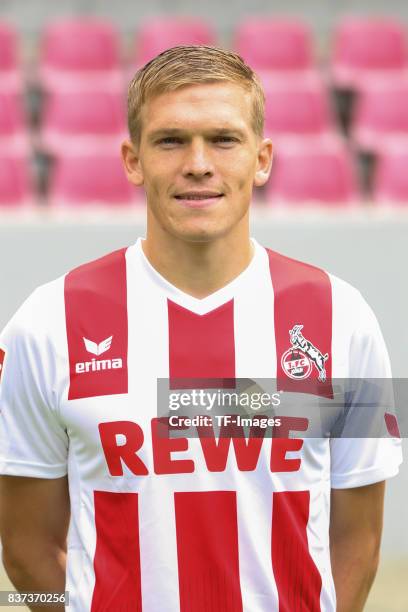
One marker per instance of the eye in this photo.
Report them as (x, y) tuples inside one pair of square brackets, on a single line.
[(225, 140), (169, 140)]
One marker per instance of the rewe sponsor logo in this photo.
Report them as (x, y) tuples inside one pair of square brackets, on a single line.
[(98, 365)]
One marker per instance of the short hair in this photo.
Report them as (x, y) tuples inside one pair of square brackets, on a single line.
[(189, 65)]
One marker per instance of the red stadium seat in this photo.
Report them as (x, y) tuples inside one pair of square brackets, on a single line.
[(13, 128), (319, 175), (159, 34), (275, 44), (81, 121), (80, 53), (381, 115), (367, 47), (89, 180), (15, 182), (390, 184), (297, 108), (10, 72)]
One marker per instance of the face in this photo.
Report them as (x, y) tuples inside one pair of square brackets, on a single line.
[(198, 159)]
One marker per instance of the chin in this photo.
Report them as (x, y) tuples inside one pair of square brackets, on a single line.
[(199, 234)]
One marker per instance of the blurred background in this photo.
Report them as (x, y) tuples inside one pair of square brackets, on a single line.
[(336, 82)]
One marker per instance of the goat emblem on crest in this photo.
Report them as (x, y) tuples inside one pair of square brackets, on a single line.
[(297, 361)]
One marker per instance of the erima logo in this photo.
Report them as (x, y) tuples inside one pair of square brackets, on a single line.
[(98, 349), (97, 365)]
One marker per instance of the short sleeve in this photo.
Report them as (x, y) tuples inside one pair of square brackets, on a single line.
[(33, 441), (359, 461)]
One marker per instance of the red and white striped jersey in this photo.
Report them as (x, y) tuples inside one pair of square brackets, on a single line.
[(188, 524)]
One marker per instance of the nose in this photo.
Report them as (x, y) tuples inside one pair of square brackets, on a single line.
[(198, 163)]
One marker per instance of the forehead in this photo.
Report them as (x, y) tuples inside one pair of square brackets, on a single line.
[(197, 106)]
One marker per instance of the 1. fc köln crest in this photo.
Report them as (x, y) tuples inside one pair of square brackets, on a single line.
[(298, 361)]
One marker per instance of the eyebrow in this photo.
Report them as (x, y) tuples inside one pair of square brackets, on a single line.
[(180, 132)]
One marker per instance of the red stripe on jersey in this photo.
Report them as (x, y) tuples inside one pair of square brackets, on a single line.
[(201, 346), (2, 356), (97, 327), (297, 578), (117, 554), (302, 297), (207, 551), (391, 423)]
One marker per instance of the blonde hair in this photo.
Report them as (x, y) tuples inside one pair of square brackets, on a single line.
[(188, 65)]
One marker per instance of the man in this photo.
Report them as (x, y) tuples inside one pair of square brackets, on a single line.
[(161, 523)]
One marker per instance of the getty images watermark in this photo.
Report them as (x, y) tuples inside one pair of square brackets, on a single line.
[(207, 400), (251, 399), (347, 408)]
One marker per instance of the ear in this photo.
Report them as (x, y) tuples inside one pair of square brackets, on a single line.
[(131, 162), (264, 162)]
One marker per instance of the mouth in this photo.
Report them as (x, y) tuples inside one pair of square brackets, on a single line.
[(198, 199)]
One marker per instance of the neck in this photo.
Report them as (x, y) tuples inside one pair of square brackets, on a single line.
[(199, 268)]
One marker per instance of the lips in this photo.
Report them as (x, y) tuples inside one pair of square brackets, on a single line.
[(198, 195), (198, 199)]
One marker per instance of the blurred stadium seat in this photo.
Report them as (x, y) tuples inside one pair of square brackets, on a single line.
[(323, 174), (159, 34), (10, 68), (82, 52), (381, 115), (82, 113), (13, 127), (15, 182), (89, 180), (367, 47), (275, 44), (297, 108), (83, 121), (391, 177)]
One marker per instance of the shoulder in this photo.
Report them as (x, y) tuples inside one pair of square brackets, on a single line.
[(37, 313), (296, 273), (42, 314), (306, 287), (351, 305), (298, 277), (279, 261), (30, 342), (102, 266)]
